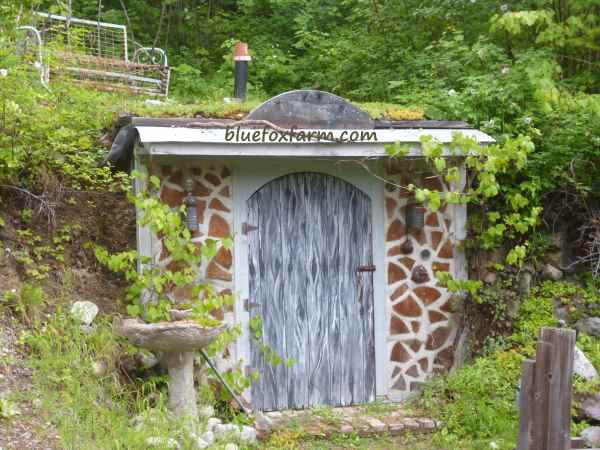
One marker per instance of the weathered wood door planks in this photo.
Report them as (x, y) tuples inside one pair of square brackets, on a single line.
[(314, 231)]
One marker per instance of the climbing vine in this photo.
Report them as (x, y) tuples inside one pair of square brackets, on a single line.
[(504, 212), (151, 291)]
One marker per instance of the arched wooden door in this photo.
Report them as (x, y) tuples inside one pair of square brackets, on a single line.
[(311, 284)]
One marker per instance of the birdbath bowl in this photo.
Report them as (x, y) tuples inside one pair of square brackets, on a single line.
[(178, 340)]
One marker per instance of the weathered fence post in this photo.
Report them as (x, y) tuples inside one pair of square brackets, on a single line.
[(545, 399), (526, 405), (561, 383)]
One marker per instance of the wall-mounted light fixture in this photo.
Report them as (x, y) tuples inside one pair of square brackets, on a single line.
[(191, 201), (415, 216), (415, 210)]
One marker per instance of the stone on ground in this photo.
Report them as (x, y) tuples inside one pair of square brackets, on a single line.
[(591, 407), (591, 436), (549, 272), (582, 366), (162, 442), (248, 435), (228, 429), (212, 423), (589, 325), (84, 311), (208, 437), (207, 411)]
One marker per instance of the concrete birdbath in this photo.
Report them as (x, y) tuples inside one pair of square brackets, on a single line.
[(178, 340)]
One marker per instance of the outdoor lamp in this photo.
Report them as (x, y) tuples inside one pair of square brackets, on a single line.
[(415, 216), (190, 202)]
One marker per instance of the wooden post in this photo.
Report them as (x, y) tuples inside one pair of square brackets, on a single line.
[(560, 389), (546, 390), (540, 396), (526, 405)]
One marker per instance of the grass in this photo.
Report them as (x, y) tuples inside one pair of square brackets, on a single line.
[(295, 440), (216, 108), (91, 411)]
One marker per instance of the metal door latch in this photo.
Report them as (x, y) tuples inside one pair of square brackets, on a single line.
[(248, 305), (246, 228), (370, 268)]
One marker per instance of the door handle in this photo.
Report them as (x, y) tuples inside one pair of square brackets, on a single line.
[(369, 268)]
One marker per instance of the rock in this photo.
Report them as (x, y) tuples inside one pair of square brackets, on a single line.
[(162, 442), (461, 351), (262, 422), (554, 258), (525, 280), (201, 444), (149, 418), (248, 435), (591, 407), (582, 365), (490, 278), (562, 313), (208, 437), (147, 360), (231, 446), (591, 436), (84, 311), (212, 423), (207, 411), (99, 368), (227, 429), (590, 325), (549, 272)]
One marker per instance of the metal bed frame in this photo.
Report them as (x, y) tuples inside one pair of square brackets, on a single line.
[(93, 52)]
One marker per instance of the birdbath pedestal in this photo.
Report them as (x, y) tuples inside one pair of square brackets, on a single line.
[(178, 340)]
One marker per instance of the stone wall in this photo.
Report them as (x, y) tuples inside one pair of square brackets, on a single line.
[(212, 186), (421, 329)]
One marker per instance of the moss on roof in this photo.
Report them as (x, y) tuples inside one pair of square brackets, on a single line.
[(221, 110)]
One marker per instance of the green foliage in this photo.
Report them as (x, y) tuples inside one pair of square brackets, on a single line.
[(537, 311), (27, 302), (150, 293), (517, 209), (8, 409), (590, 345), (96, 414), (477, 403)]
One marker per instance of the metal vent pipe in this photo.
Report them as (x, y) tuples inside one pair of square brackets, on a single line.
[(241, 58)]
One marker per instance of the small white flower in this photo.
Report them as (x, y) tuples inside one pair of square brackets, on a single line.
[(7, 250), (13, 290), (37, 65), (504, 8), (493, 445), (3, 73), (505, 70), (528, 120), (451, 92), (473, 1)]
